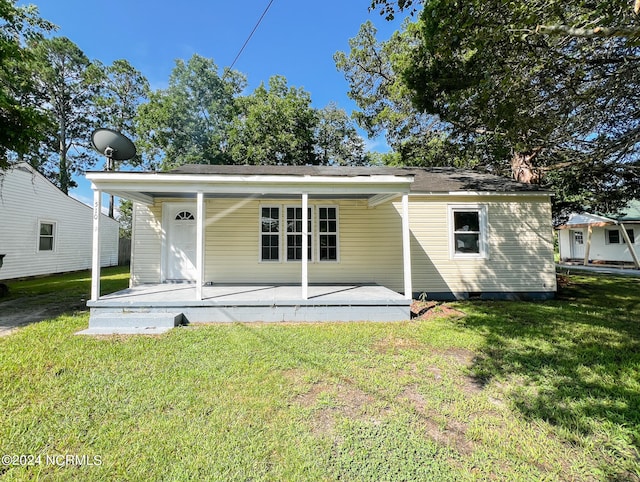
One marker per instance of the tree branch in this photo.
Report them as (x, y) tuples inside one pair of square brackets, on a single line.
[(597, 32)]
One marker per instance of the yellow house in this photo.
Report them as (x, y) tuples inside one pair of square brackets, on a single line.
[(227, 243)]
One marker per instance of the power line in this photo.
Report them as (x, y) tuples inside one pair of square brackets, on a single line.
[(251, 34)]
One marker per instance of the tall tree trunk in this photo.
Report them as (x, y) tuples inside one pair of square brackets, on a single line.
[(523, 168), (63, 175)]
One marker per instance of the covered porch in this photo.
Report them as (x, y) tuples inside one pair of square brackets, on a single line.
[(156, 308), (275, 299)]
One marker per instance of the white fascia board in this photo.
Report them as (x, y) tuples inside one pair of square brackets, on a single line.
[(215, 184), (484, 193)]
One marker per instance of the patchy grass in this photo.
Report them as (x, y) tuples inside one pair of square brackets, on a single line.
[(68, 287), (507, 391)]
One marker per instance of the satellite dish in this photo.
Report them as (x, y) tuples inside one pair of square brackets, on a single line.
[(114, 145)]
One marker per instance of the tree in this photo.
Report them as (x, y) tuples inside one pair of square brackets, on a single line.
[(275, 126), (125, 218), (123, 89), (67, 85), (189, 121), (22, 123), (336, 138), (385, 101), (544, 91)]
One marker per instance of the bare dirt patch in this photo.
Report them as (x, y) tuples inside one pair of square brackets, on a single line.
[(460, 356), (332, 401), (23, 311), (429, 310), (392, 344), (449, 432)]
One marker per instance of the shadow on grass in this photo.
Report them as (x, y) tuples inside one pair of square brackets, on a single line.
[(573, 361)]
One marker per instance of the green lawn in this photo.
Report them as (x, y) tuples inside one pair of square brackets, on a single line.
[(496, 390), (69, 286)]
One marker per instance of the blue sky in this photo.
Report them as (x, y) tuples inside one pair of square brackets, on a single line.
[(296, 39)]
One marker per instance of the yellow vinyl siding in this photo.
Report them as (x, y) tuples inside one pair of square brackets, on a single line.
[(146, 243), (519, 248), (367, 238)]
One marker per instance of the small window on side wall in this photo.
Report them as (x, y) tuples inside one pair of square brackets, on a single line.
[(46, 236), (614, 236), (468, 231)]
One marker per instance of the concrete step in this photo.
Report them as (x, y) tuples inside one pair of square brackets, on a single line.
[(131, 323)]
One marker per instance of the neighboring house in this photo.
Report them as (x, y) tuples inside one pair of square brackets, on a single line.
[(44, 231), (439, 232), (613, 238)]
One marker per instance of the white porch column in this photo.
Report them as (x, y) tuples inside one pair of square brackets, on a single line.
[(406, 248), (305, 246), (95, 254), (200, 215)]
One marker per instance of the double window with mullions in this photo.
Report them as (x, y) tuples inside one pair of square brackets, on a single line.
[(281, 233)]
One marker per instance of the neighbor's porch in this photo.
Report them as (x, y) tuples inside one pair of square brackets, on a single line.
[(156, 308)]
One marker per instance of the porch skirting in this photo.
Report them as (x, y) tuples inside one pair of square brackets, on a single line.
[(245, 303)]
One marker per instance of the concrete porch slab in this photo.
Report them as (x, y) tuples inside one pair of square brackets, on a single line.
[(248, 303)]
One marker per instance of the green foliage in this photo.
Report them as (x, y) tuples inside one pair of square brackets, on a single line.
[(123, 89), (543, 91), (188, 122), (202, 118), (372, 70), (275, 126), (560, 105), (68, 85), (21, 120), (336, 138), (125, 218)]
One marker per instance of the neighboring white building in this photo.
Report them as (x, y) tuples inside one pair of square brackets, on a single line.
[(44, 231), (611, 238)]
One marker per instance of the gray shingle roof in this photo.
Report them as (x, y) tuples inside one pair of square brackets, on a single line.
[(426, 180)]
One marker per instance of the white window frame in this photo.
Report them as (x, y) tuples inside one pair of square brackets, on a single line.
[(621, 238), (483, 235), (285, 233), (336, 233), (54, 236), (261, 233)]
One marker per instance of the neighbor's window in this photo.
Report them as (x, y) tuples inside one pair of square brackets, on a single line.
[(615, 237), (270, 233), (46, 236), (468, 231), (294, 234), (328, 233)]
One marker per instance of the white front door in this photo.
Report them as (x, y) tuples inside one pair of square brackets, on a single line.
[(577, 244), (180, 250)]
